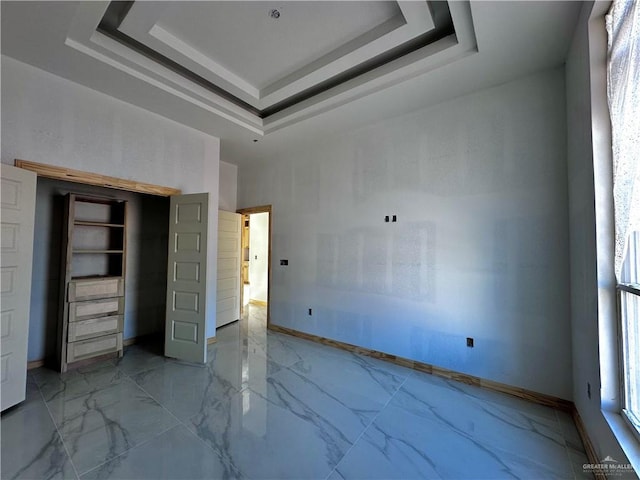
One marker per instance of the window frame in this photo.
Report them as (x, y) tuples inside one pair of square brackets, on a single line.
[(610, 401), (627, 288), (633, 289)]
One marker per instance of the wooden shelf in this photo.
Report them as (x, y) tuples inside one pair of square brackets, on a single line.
[(94, 248), (96, 277), (97, 251), (80, 223)]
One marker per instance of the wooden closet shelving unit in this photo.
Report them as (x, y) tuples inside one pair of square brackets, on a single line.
[(92, 275)]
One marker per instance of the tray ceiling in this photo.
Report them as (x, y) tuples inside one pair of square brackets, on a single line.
[(263, 65), (280, 44), (227, 85)]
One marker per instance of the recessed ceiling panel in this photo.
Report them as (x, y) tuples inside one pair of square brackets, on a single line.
[(249, 41), (64, 38), (264, 53), (233, 59)]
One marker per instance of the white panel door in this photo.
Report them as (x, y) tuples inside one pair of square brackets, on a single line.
[(18, 205), (185, 323), (229, 256)]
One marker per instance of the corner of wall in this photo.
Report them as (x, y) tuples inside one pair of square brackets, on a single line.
[(228, 187), (592, 288)]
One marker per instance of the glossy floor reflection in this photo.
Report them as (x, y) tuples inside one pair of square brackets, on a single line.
[(272, 406)]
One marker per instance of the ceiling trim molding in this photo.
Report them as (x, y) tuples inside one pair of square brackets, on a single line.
[(86, 36), (117, 11), (109, 26), (149, 74), (89, 178)]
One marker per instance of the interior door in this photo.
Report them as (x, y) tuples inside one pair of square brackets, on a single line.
[(229, 257), (18, 206), (185, 323)]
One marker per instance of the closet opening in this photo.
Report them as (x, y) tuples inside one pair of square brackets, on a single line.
[(146, 266)]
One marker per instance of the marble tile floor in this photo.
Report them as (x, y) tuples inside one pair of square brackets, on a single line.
[(271, 406)]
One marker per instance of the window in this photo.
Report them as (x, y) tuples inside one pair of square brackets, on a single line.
[(630, 333), (623, 88)]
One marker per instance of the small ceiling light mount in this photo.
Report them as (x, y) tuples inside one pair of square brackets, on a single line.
[(255, 140), (274, 13)]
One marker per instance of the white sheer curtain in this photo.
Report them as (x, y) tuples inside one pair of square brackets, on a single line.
[(623, 26)]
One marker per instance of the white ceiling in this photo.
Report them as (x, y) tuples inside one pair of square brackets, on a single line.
[(238, 47), (268, 54), (260, 59)]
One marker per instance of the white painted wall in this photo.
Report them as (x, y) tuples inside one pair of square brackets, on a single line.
[(258, 256), (228, 191), (480, 248), (51, 120), (586, 281)]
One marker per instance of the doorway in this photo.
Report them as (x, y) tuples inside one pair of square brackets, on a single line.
[(256, 259), (147, 243), (146, 271)]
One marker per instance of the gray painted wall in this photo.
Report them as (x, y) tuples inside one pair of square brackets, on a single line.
[(48, 119), (52, 120), (228, 192), (582, 221), (146, 273), (480, 248)]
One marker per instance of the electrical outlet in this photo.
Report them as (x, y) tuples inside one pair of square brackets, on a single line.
[(310, 312), (469, 342), (386, 218), (394, 218), (284, 262)]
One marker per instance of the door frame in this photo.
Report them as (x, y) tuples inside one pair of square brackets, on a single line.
[(90, 178), (249, 211), (243, 245), (43, 170)]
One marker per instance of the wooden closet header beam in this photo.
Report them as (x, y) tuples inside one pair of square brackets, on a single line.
[(88, 178)]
